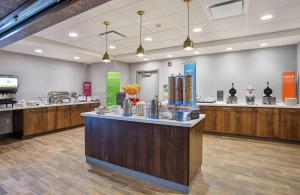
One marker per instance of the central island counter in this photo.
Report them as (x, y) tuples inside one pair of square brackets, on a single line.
[(161, 151)]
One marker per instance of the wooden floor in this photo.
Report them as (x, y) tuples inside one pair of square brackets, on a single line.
[(55, 164)]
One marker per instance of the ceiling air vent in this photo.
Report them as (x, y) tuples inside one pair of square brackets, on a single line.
[(113, 35), (227, 9)]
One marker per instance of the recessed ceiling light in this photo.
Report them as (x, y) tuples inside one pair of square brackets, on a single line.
[(148, 39), (195, 30), (196, 52), (73, 34), (146, 59), (112, 47), (169, 56), (266, 17), (229, 48), (76, 58), (264, 44), (38, 51)]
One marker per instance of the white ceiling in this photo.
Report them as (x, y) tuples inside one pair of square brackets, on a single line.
[(172, 16)]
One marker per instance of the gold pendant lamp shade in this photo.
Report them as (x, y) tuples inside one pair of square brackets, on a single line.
[(188, 43), (140, 52), (106, 57)]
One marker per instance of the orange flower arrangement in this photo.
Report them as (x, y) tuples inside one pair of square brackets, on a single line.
[(132, 89)]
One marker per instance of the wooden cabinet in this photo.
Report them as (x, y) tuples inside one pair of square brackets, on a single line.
[(289, 124), (245, 121), (38, 120), (219, 119), (75, 115), (276, 123), (226, 120), (210, 119), (43, 120), (85, 108), (62, 117), (31, 122), (51, 118), (267, 122)]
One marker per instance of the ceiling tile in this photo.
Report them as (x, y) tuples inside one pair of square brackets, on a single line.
[(233, 23), (133, 31), (76, 20), (268, 5), (160, 24), (260, 28), (169, 7), (288, 12), (172, 15), (151, 12)]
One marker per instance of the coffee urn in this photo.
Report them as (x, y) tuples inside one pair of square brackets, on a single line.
[(127, 107), (154, 108), (250, 97)]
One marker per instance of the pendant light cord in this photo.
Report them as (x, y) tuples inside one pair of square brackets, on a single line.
[(188, 4), (141, 29), (106, 37)]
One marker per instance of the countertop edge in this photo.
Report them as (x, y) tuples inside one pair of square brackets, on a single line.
[(248, 106), (46, 106), (188, 124)]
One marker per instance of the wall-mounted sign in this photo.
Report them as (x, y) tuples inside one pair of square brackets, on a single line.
[(87, 88), (190, 69), (289, 80), (113, 88)]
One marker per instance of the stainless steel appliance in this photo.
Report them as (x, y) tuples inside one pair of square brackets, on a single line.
[(232, 99), (220, 95), (140, 108), (127, 107), (154, 108), (8, 89), (250, 97), (268, 98), (58, 97), (6, 122)]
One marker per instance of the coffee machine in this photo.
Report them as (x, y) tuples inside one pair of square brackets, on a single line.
[(250, 97), (268, 98), (232, 99), (8, 90)]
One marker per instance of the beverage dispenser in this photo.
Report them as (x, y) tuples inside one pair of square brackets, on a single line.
[(8, 89)]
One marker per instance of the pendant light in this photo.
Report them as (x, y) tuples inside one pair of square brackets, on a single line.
[(106, 58), (140, 52), (188, 43)]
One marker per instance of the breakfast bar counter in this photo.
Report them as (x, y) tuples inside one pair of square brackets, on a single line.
[(278, 122), (161, 151)]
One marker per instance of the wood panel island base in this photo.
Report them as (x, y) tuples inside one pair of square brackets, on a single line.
[(165, 152)]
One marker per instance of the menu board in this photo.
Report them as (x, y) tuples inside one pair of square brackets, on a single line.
[(8, 82)]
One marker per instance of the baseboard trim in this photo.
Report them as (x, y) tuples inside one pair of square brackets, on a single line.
[(139, 175)]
